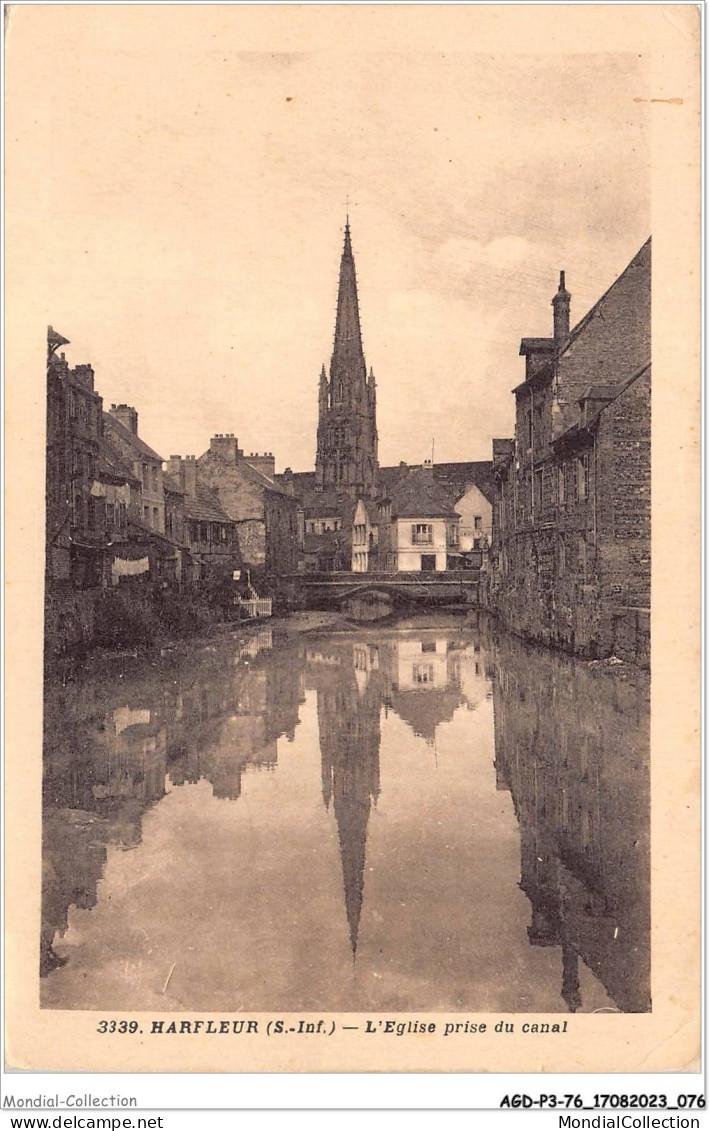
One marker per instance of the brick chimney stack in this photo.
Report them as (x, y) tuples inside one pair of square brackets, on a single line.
[(225, 446), (265, 463), (127, 416), (189, 476), (562, 312), (185, 472)]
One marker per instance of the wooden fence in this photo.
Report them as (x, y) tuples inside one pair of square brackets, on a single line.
[(256, 606)]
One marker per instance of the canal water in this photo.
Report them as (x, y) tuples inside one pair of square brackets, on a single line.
[(436, 817)]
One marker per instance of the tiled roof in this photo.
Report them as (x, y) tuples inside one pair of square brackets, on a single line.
[(420, 495), (455, 475), (536, 345), (128, 437), (261, 480), (639, 261), (205, 506), (303, 481), (606, 394), (147, 532), (317, 504)]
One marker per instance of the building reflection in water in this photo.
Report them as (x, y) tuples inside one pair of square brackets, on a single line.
[(112, 746), (570, 748), (423, 679)]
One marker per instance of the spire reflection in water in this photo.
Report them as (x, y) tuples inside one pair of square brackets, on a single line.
[(431, 819)]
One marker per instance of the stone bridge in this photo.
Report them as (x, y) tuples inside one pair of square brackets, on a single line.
[(349, 590)]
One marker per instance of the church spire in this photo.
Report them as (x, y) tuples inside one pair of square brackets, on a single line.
[(347, 355), (347, 458)]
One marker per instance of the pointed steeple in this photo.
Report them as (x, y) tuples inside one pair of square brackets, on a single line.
[(323, 389), (347, 355), (347, 449)]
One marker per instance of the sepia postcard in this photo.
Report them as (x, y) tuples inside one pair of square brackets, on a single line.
[(352, 571)]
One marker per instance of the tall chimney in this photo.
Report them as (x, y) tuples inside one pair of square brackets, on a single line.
[(562, 311), (225, 447), (127, 416), (265, 463), (189, 476), (174, 468)]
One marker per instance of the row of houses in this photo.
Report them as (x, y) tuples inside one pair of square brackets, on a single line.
[(116, 509), (557, 524), (425, 518), (570, 554)]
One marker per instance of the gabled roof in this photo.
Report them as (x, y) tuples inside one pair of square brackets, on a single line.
[(139, 446), (263, 480), (604, 395), (425, 710), (456, 475), (371, 512), (419, 495), (640, 260), (257, 477)]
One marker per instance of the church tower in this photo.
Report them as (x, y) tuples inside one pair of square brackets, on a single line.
[(347, 460)]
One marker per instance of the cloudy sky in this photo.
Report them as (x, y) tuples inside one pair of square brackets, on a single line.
[(193, 197)]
